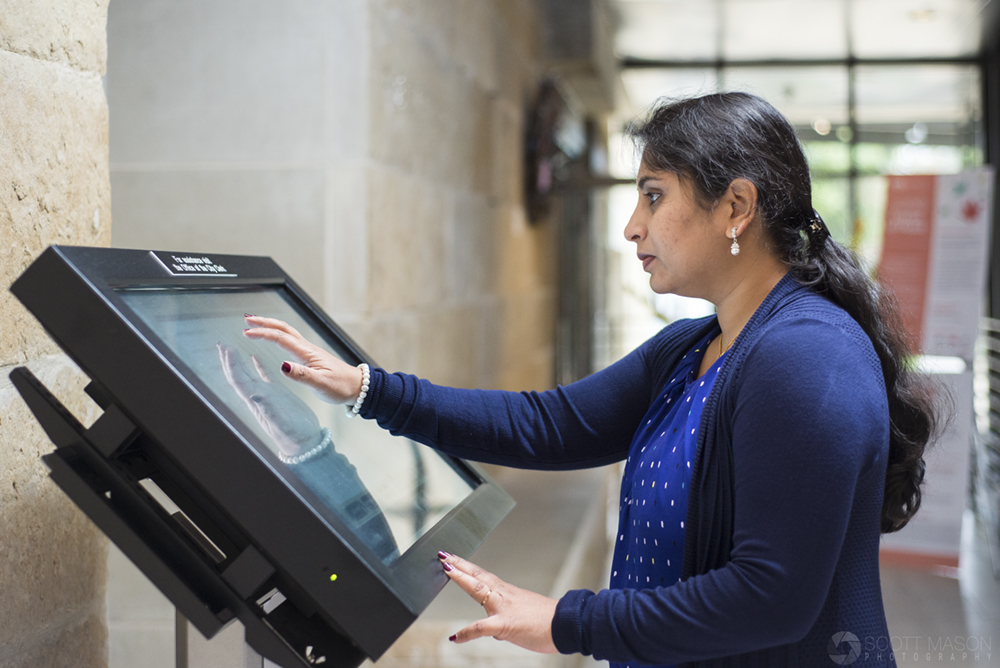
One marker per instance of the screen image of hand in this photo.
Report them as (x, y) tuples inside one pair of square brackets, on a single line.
[(285, 417), (294, 427)]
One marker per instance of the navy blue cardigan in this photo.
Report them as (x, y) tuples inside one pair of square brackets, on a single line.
[(782, 533)]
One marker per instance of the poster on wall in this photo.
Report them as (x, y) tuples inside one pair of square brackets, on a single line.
[(933, 536), (935, 255)]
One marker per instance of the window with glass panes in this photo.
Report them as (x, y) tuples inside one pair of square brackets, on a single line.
[(858, 122)]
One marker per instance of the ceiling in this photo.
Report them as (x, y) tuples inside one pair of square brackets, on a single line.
[(795, 54), (742, 30)]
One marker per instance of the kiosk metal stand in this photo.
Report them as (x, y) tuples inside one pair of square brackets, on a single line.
[(228, 649)]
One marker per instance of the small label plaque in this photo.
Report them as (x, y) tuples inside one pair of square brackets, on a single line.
[(184, 264)]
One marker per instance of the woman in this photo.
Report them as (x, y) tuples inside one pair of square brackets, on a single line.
[(766, 447)]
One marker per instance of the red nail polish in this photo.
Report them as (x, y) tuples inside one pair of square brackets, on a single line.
[(286, 367), (448, 567), (249, 315), (442, 554), (452, 638)]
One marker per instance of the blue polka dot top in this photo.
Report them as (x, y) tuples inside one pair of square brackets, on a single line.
[(654, 492)]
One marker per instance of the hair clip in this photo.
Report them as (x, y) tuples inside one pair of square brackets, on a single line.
[(817, 231)]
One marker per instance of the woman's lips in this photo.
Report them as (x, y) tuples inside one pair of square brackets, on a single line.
[(645, 259)]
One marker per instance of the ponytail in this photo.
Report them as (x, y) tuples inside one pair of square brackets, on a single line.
[(835, 271)]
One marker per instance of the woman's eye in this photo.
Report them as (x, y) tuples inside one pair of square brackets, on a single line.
[(652, 197)]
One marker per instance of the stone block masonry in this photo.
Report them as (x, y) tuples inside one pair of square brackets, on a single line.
[(53, 560), (54, 189), (66, 32), (453, 259)]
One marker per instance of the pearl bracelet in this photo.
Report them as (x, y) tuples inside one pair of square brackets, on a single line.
[(366, 376), (306, 456)]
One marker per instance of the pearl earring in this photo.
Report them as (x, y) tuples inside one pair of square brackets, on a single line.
[(735, 248)]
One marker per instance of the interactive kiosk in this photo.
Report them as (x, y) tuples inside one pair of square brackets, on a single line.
[(239, 493)]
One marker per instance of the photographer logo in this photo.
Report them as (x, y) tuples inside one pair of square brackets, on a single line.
[(844, 648)]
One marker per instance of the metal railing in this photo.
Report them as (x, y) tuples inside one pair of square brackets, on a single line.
[(985, 481)]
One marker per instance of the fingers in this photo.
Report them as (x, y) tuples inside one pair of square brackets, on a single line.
[(292, 343), (260, 369), (235, 371), (490, 627), (280, 332), (469, 568), (482, 586), (273, 323), (515, 615), (327, 375), (474, 587), (302, 374), (224, 360)]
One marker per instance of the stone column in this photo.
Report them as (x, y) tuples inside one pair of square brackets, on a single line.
[(54, 188)]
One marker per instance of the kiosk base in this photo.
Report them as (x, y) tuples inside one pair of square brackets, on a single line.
[(227, 649)]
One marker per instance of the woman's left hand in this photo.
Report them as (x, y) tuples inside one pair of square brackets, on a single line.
[(515, 615)]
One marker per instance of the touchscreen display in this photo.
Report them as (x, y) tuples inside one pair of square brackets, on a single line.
[(387, 490)]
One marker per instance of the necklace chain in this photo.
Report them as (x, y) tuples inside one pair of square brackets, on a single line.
[(721, 351)]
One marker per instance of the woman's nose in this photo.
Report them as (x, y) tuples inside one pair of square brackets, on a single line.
[(633, 230)]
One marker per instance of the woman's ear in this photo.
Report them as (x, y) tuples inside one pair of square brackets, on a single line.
[(742, 200)]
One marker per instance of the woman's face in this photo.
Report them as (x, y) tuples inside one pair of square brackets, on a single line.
[(682, 246)]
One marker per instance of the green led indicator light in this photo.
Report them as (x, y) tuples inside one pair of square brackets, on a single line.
[(333, 578)]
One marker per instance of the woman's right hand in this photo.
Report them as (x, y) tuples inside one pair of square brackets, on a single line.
[(326, 374)]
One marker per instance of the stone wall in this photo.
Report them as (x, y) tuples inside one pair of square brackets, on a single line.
[(372, 147), (54, 188), (462, 289)]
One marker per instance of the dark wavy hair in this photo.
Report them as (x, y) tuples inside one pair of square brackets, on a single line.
[(708, 142)]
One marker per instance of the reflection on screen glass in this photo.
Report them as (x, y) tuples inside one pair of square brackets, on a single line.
[(387, 490)]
